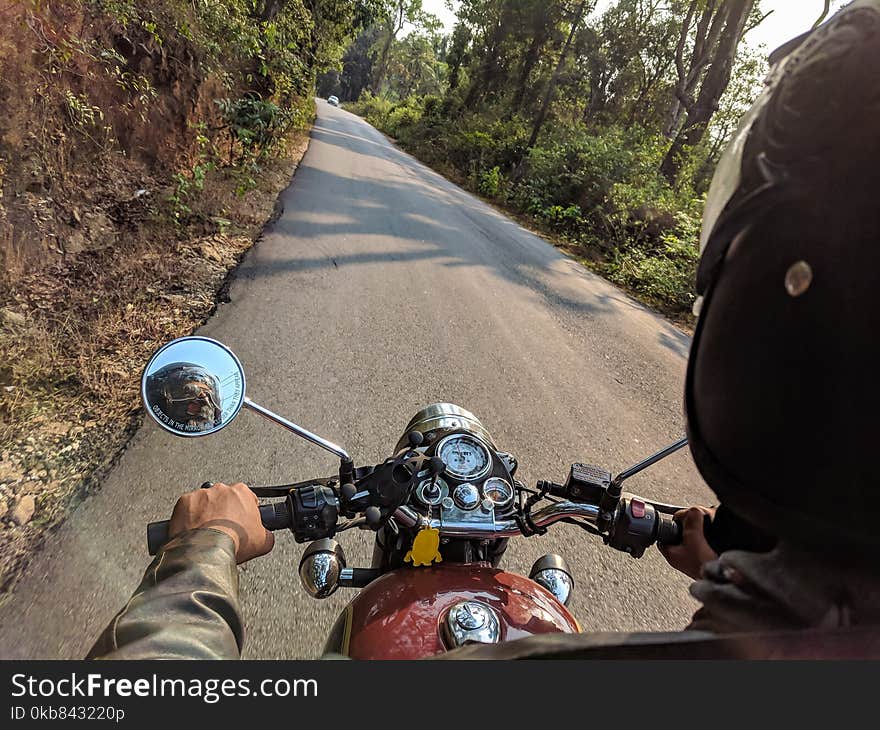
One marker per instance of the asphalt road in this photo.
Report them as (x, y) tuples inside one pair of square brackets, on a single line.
[(383, 288)]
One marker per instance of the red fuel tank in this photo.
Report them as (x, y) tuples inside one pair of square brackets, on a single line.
[(399, 615)]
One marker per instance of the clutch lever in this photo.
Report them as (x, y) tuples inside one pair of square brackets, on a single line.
[(282, 490)]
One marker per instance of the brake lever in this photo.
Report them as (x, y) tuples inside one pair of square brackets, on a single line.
[(666, 509), (282, 490)]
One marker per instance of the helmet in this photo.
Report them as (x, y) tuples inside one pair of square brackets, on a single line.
[(783, 384), (188, 394)]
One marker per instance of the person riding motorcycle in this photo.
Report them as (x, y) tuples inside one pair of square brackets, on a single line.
[(780, 401), (186, 394)]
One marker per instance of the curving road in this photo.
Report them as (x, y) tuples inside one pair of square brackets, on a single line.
[(382, 288)]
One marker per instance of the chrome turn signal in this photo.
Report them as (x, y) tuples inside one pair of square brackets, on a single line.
[(551, 572), (320, 567)]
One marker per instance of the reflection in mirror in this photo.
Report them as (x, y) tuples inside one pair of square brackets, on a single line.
[(193, 386)]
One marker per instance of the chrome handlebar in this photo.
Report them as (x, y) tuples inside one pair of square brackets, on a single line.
[(505, 528)]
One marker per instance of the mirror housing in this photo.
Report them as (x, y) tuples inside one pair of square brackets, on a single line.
[(193, 386)]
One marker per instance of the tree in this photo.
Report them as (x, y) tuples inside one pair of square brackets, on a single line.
[(495, 20), (541, 18), (580, 10), (627, 59), (357, 65), (715, 28), (413, 67), (397, 14), (740, 94), (458, 54)]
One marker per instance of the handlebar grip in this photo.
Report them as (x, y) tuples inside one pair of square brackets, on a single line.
[(275, 516), (668, 531)]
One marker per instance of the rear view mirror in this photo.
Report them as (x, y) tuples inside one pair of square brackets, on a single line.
[(193, 386)]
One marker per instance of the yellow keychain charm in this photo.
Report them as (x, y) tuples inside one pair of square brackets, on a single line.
[(426, 548)]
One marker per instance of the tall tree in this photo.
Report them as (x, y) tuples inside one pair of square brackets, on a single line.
[(397, 14), (413, 67), (540, 19), (496, 20), (718, 27), (580, 11), (357, 65), (627, 59), (458, 54)]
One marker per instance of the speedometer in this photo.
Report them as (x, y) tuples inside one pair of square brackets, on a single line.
[(465, 456)]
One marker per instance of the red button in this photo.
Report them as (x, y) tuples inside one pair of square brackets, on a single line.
[(638, 509)]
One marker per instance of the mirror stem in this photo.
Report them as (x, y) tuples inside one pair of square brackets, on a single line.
[(298, 430), (650, 461)]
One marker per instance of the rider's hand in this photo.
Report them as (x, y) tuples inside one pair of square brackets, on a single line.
[(694, 551), (233, 510)]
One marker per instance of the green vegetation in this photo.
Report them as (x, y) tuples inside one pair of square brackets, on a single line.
[(602, 128), (264, 53), (183, 86)]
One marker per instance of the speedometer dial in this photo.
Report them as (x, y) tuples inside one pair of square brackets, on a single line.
[(465, 457), (498, 491)]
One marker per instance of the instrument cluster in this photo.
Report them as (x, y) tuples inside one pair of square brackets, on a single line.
[(476, 482)]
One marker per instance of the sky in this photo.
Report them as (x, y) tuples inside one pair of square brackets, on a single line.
[(789, 19)]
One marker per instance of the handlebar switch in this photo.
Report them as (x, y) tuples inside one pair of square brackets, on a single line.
[(314, 512), (587, 483), (635, 526)]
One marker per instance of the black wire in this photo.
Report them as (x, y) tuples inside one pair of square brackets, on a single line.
[(535, 498), (519, 514), (349, 524)]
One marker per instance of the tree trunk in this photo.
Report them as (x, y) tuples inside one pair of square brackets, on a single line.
[(715, 83), (381, 67), (490, 70), (529, 61), (458, 54), (706, 35), (551, 85), (392, 29)]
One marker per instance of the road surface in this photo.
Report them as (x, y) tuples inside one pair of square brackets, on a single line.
[(380, 289)]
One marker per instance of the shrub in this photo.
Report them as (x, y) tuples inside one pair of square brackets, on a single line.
[(665, 276), (490, 182), (403, 116), (431, 105), (568, 219), (254, 124), (375, 109)]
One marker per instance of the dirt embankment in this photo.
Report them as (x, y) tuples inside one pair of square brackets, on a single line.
[(119, 225)]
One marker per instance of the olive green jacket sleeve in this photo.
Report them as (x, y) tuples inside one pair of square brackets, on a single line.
[(186, 606)]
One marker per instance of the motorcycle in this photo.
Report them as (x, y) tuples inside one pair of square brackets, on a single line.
[(443, 508)]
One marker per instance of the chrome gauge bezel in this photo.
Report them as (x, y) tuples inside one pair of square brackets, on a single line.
[(508, 487), (480, 443)]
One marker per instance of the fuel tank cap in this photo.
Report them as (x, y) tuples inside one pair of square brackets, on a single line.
[(471, 621)]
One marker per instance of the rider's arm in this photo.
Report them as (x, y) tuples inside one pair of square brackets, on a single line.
[(186, 606)]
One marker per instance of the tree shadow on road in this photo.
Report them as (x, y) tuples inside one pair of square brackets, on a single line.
[(400, 212)]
